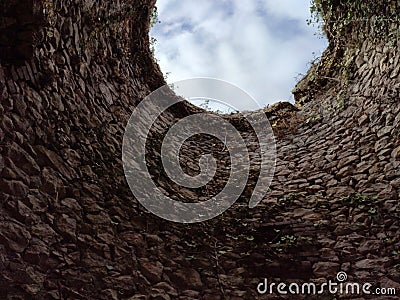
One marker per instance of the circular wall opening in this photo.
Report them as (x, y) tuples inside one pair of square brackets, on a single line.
[(263, 47)]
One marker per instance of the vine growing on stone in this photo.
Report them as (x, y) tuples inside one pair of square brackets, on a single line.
[(377, 20)]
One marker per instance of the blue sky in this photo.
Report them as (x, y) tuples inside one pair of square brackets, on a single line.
[(259, 45)]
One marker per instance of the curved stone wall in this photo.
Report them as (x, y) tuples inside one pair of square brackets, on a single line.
[(71, 229)]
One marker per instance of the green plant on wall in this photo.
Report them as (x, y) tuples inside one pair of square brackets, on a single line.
[(153, 42), (154, 17), (348, 25), (370, 19), (114, 19)]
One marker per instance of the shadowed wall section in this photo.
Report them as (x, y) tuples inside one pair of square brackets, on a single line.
[(70, 227), (16, 31)]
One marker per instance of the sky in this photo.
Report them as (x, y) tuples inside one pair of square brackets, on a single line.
[(261, 46)]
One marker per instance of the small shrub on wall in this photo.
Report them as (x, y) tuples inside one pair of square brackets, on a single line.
[(357, 18)]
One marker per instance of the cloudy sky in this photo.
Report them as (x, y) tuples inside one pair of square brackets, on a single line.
[(259, 45)]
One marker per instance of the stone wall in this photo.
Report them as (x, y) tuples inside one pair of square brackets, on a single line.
[(17, 26), (71, 229)]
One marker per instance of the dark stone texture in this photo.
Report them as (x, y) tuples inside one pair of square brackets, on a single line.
[(70, 227)]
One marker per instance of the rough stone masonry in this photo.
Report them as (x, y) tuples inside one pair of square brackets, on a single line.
[(70, 227)]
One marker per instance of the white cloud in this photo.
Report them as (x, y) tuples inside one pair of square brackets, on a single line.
[(260, 46), (288, 9)]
